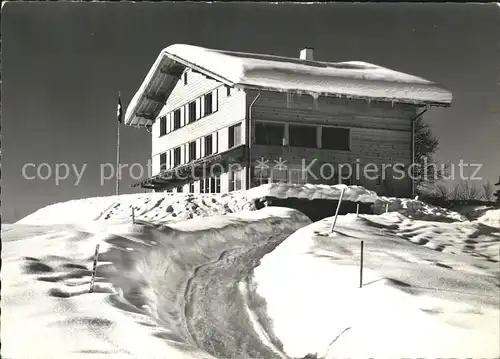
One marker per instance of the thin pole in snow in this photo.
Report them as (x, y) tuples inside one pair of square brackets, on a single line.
[(133, 216), (361, 266), (118, 153), (357, 209), (96, 255), (337, 211)]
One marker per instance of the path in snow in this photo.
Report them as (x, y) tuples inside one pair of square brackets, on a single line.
[(221, 308)]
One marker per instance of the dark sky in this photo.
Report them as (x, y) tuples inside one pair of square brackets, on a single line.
[(63, 64)]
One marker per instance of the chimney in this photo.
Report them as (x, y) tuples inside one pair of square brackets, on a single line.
[(307, 53)]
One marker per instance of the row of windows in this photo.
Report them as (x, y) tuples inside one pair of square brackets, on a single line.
[(213, 184), (274, 134), (289, 175), (189, 113), (201, 147)]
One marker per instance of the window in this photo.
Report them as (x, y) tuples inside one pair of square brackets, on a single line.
[(177, 156), (297, 176), (235, 135), (192, 151), (192, 112), (177, 119), (262, 176), (334, 138), (191, 187), (205, 185), (185, 75), (303, 136), (269, 133), (179, 189), (235, 180), (279, 175), (213, 181), (163, 125), (228, 91), (208, 145), (208, 104), (163, 161)]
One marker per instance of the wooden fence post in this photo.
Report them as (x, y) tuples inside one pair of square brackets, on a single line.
[(361, 266), (96, 255), (337, 211)]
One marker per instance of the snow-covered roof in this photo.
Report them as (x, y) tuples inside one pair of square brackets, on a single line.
[(352, 79)]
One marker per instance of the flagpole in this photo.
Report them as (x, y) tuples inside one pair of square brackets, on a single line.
[(118, 154)]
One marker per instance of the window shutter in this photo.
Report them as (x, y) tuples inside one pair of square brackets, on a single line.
[(183, 157), (183, 117), (198, 108), (202, 147), (186, 114), (215, 100), (198, 148), (202, 106), (169, 159), (169, 127), (215, 144)]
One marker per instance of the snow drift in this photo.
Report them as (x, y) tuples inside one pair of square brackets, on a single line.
[(352, 78), (168, 207), (430, 289), (153, 295)]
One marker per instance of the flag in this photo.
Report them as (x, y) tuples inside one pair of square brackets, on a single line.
[(119, 111)]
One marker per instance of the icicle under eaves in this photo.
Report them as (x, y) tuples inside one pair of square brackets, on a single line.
[(288, 99), (315, 97)]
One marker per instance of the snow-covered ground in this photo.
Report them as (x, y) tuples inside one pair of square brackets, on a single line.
[(147, 285), (180, 283), (430, 289)]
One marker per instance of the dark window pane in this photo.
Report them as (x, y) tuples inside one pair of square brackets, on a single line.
[(185, 78), (192, 151), (192, 111), (235, 135), (228, 91), (163, 126), (177, 156), (206, 184), (163, 161), (208, 104), (191, 187), (177, 119), (179, 189), (212, 185), (208, 145), (303, 136), (335, 138), (269, 133)]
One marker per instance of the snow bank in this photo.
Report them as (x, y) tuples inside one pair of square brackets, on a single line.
[(416, 209), (169, 207), (491, 218), (354, 78), (155, 207), (427, 289), (312, 192), (140, 305)]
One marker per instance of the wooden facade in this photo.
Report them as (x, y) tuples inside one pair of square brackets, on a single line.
[(228, 106), (380, 134)]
